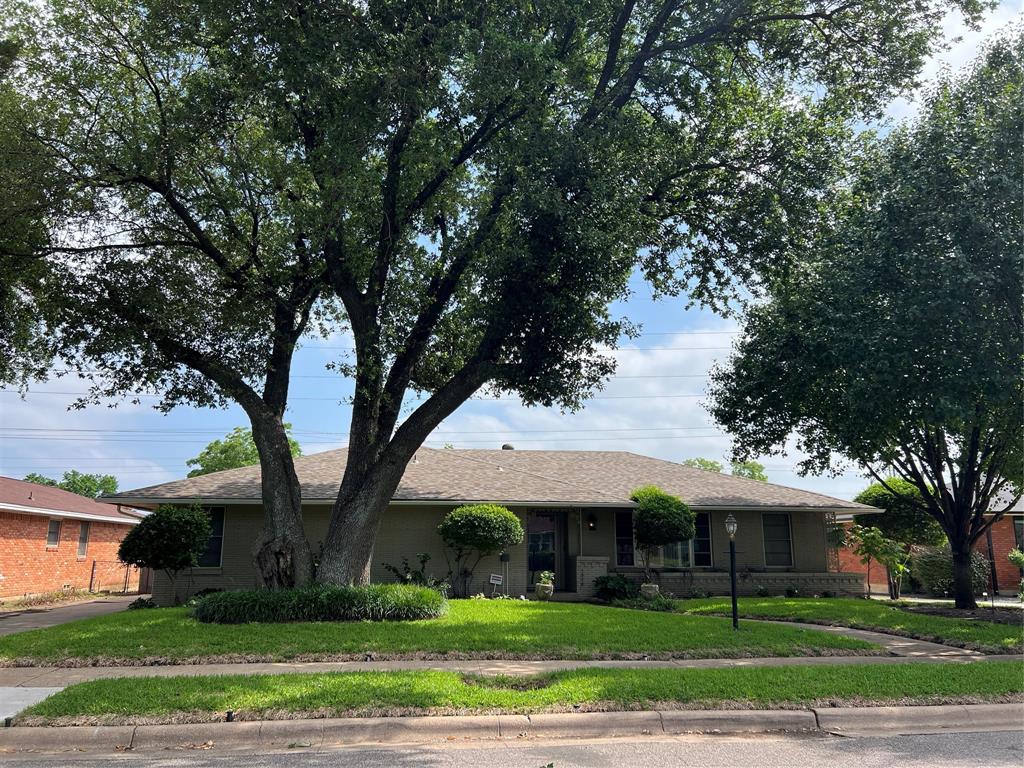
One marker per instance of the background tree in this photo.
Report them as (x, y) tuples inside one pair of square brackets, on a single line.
[(473, 532), (898, 344), (169, 539), (708, 465), (906, 518), (659, 518), (466, 187), (237, 449), (88, 485), (750, 469)]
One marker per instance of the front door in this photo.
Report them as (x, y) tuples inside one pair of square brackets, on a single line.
[(545, 545)]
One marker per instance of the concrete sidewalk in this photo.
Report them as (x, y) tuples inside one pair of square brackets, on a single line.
[(316, 735), (40, 618)]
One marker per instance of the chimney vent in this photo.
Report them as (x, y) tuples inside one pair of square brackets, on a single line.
[(508, 447)]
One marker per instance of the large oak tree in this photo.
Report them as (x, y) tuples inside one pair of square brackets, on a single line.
[(464, 185), (899, 341)]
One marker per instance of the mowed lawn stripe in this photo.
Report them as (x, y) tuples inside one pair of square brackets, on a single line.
[(980, 635), (495, 628), (375, 693)]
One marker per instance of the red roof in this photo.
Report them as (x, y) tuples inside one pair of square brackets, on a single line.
[(32, 498)]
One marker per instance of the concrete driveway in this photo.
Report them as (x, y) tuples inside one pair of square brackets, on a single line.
[(39, 618)]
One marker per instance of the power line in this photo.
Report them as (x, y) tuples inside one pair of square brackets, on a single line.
[(341, 397)]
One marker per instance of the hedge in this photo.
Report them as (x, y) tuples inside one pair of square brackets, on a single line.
[(372, 602), (933, 568)]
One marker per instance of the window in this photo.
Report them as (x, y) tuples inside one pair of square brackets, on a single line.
[(702, 541), (679, 554), (53, 534), (83, 539), (211, 555), (624, 539), (778, 544), (1018, 532)]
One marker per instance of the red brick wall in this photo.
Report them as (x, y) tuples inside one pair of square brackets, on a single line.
[(29, 567), (1007, 574)]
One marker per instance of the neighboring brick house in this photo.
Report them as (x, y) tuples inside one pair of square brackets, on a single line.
[(1007, 533), (51, 539)]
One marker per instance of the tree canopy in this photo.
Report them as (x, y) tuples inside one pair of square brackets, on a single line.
[(750, 469), (82, 483), (237, 449), (464, 187), (898, 343), (906, 518)]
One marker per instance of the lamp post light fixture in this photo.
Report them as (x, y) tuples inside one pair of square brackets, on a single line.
[(730, 528)]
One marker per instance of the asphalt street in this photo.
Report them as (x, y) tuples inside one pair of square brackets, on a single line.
[(948, 750)]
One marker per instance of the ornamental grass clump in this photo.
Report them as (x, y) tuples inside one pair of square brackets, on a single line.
[(322, 602)]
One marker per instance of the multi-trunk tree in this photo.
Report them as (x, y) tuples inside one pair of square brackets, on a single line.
[(899, 342), (463, 186)]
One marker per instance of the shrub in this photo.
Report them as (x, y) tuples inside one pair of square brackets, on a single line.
[(168, 539), (933, 567), (473, 532), (322, 602), (792, 592), (615, 586), (659, 519), (763, 591), (1016, 557), (141, 602)]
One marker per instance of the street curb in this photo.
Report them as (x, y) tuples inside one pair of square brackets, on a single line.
[(334, 732)]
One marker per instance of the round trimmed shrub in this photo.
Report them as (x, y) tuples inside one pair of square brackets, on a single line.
[(659, 519), (473, 532), (615, 586), (322, 602), (933, 568)]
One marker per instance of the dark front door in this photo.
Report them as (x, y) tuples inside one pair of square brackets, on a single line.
[(545, 545)]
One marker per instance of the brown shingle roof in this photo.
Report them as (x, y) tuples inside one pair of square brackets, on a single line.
[(32, 498), (577, 478)]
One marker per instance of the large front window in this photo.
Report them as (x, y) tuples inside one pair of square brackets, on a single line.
[(680, 554)]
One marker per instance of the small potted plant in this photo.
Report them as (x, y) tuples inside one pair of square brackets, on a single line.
[(545, 585)]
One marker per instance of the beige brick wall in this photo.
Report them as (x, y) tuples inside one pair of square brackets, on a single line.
[(407, 530)]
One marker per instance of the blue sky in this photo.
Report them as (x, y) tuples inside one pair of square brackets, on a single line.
[(653, 405)]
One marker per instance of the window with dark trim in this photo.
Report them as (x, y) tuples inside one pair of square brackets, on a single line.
[(778, 543), (702, 541), (83, 538), (624, 539), (211, 557), (1018, 532), (53, 534)]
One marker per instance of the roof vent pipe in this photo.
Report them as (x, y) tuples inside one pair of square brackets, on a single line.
[(508, 447)]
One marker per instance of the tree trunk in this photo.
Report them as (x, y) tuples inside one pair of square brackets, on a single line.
[(963, 586), (349, 546), (281, 554)]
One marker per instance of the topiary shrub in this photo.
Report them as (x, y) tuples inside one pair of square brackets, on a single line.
[(933, 568), (322, 602), (169, 539), (473, 532), (659, 519), (615, 586)]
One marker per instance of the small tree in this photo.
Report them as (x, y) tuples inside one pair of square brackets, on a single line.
[(1017, 558), (872, 544), (906, 517), (169, 539), (84, 484), (237, 449), (476, 531), (659, 519)]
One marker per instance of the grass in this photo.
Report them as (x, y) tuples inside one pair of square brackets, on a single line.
[(472, 628), (156, 699), (871, 614)]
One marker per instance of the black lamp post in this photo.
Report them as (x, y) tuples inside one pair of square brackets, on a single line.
[(730, 528)]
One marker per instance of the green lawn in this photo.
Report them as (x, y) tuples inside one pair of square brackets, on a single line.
[(432, 692), (472, 628), (871, 614)]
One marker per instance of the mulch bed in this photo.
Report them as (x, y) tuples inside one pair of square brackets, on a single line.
[(1013, 616)]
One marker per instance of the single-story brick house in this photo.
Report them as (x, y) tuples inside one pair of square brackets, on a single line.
[(52, 540), (575, 509)]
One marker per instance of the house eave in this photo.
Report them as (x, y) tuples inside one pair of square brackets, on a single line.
[(47, 512)]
